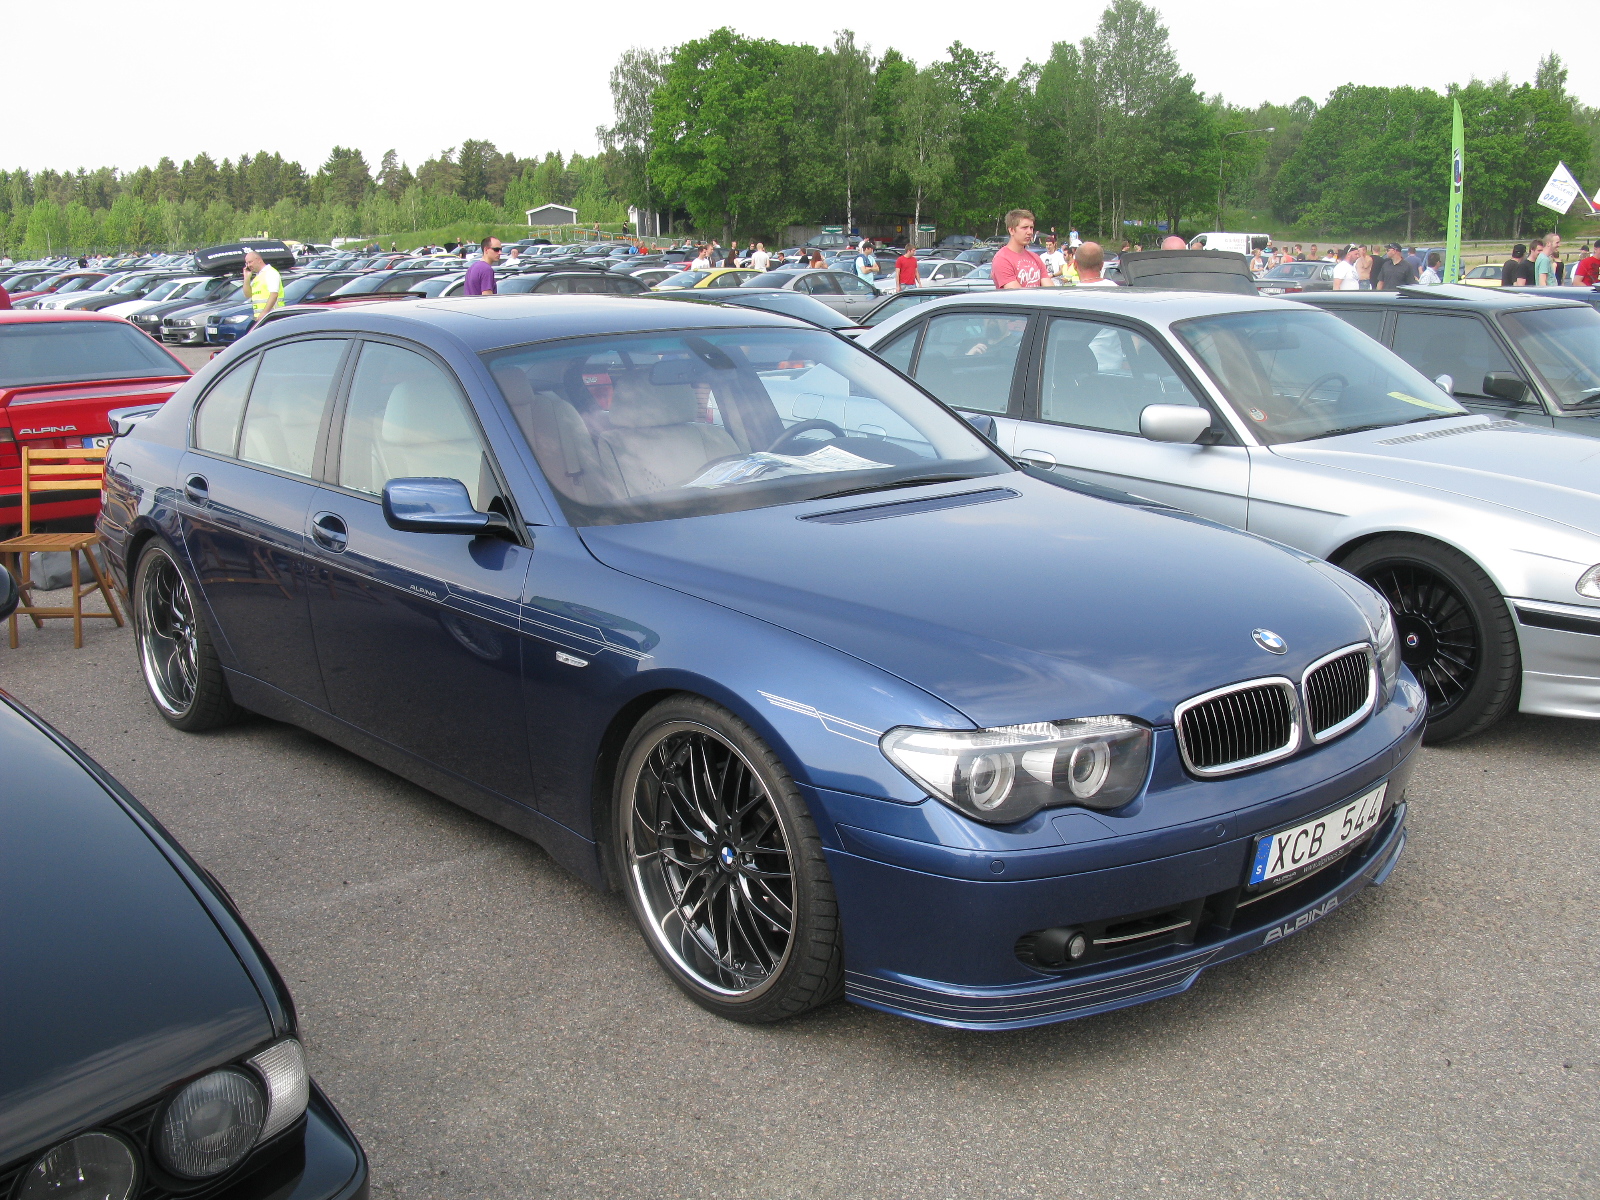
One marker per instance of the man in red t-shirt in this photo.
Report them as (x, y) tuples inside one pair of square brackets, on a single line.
[(1015, 266), (905, 267), (1588, 268)]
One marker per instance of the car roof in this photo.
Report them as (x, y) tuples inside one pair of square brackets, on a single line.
[(489, 322), (1155, 305), (1447, 296)]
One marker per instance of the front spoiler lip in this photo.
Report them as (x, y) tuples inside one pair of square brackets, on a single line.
[(1052, 1001)]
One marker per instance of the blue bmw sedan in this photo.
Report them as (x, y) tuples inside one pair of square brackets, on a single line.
[(730, 615)]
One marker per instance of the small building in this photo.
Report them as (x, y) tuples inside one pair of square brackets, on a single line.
[(552, 214)]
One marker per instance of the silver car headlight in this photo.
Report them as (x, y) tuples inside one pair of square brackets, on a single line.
[(1007, 774), (1589, 583), (1386, 641)]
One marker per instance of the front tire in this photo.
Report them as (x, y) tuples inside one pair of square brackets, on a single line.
[(1456, 631), (180, 665), (723, 867)]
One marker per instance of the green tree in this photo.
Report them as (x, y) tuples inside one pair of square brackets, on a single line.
[(344, 179), (925, 117), (634, 80)]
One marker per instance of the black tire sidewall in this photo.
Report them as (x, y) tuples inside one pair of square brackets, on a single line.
[(212, 705), (812, 974), (1496, 684)]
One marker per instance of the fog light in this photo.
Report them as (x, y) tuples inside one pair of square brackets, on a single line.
[(1060, 946)]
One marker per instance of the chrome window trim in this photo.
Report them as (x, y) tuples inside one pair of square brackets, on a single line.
[(1361, 714), (1296, 726)]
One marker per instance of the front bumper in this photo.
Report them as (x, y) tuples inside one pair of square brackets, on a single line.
[(183, 335), (1560, 645), (223, 335)]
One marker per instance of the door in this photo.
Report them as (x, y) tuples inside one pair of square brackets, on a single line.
[(859, 296), (1092, 381), (247, 486), (968, 358), (417, 632), (1463, 347)]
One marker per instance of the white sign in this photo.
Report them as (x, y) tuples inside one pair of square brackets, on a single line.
[(1561, 190)]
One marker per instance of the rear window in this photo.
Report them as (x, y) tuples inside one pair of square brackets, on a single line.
[(35, 352)]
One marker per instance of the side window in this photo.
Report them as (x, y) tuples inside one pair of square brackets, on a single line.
[(625, 285), (1102, 376), (326, 287), (216, 425), (1460, 347), (898, 352), (1368, 320), (592, 285), (821, 285), (284, 415), (855, 285), (558, 285), (728, 280), (406, 419), (968, 358)]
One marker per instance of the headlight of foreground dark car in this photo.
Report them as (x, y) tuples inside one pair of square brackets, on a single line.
[(732, 616), (150, 1046)]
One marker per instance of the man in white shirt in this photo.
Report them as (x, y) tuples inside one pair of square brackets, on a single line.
[(1091, 258), (1054, 259), (759, 258), (1345, 276)]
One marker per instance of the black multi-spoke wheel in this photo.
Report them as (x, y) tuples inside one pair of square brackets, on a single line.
[(1456, 632), (722, 865), (180, 666)]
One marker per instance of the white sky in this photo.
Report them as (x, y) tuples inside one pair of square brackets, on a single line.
[(381, 75)]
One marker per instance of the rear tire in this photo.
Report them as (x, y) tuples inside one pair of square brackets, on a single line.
[(1456, 631), (180, 665), (722, 865)]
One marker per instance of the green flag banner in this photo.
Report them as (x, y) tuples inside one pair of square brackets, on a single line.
[(1452, 240)]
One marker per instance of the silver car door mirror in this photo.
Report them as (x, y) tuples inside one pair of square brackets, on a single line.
[(1446, 384), (1181, 423)]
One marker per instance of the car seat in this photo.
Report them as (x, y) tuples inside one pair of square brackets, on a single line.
[(654, 440)]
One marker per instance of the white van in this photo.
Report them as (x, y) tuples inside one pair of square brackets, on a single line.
[(1240, 243)]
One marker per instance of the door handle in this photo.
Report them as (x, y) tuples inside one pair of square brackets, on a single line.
[(1042, 458), (329, 531), (197, 489)]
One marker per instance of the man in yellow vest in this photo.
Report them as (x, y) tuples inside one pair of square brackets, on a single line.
[(262, 285)]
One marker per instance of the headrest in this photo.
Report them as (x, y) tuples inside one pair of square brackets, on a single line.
[(636, 403), (1073, 358), (418, 413)]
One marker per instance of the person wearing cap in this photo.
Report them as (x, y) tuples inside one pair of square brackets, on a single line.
[(262, 284), (1392, 271)]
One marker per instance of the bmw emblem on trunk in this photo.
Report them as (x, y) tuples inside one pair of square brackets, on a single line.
[(1269, 641)]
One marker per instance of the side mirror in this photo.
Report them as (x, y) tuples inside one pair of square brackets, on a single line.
[(9, 595), (1181, 423), (1445, 384), (1505, 385), (984, 424), (437, 506)]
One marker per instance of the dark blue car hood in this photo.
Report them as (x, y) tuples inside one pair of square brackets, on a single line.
[(114, 980), (1045, 605)]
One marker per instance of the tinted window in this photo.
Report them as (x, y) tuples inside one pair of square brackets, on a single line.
[(405, 419), (1368, 320), (58, 351), (624, 285), (769, 279), (894, 308), (326, 287), (898, 352), (1102, 376), (968, 358), (729, 279), (684, 279), (823, 284), (1460, 347), (852, 285), (216, 425), (284, 415), (588, 285)]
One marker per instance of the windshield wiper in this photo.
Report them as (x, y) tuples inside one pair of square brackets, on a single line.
[(1387, 424), (1589, 397), (914, 481)]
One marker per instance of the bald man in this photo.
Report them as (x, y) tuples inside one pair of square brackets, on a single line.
[(1174, 242), (263, 286)]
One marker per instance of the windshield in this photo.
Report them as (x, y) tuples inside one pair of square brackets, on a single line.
[(771, 279), (38, 352), (363, 284), (649, 427), (162, 290), (1294, 270), (1563, 344), (1300, 375)]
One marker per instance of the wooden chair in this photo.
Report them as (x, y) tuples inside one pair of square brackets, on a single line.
[(58, 471)]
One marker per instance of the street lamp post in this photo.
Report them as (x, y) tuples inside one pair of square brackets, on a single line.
[(1222, 144)]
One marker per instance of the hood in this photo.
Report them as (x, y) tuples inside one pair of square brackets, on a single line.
[(1536, 471), (117, 983), (1041, 605)]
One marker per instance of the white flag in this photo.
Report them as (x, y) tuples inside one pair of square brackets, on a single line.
[(1561, 190)]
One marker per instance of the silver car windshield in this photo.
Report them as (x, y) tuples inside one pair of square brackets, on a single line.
[(1563, 344), (647, 427), (1294, 376)]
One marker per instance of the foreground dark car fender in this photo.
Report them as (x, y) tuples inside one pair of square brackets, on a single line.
[(128, 975)]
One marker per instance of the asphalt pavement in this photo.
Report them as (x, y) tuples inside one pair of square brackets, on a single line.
[(493, 1028)]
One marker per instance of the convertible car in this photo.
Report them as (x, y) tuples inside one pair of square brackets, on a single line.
[(727, 614)]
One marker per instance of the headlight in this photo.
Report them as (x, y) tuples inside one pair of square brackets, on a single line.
[(211, 1124), (92, 1166), (1008, 774), (238, 319), (1589, 582), (283, 1066), (1386, 640)]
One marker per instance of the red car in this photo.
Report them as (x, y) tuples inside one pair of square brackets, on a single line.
[(67, 281), (61, 373)]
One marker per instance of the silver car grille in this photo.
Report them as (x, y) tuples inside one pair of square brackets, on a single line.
[(1340, 691), (1238, 727)]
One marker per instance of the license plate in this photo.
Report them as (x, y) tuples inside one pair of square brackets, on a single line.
[(97, 443), (1295, 850)]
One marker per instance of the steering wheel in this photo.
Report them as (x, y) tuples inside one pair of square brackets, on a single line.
[(1316, 383), (794, 431)]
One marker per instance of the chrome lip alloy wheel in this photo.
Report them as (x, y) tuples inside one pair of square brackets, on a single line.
[(168, 640), (709, 862), (1439, 639)]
